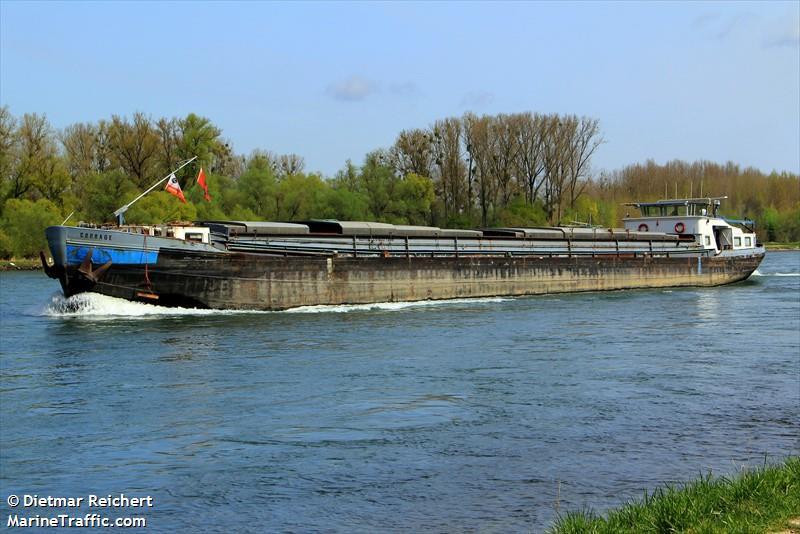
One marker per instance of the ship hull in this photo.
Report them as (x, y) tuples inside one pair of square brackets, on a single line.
[(262, 282)]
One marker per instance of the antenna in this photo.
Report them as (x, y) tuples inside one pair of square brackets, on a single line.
[(120, 213)]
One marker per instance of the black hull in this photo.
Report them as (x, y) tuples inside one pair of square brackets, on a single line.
[(256, 281)]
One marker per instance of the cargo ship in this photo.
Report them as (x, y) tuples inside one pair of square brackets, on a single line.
[(279, 265)]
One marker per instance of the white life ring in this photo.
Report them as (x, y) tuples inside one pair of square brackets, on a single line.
[(679, 228), (643, 227)]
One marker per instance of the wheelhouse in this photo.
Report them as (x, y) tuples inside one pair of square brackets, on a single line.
[(694, 218)]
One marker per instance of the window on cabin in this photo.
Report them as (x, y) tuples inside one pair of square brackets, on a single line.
[(708, 240), (737, 241), (748, 242), (194, 236)]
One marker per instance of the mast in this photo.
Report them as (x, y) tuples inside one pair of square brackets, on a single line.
[(120, 213)]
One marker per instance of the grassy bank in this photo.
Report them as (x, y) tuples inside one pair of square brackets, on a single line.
[(759, 501), (783, 246), (20, 264)]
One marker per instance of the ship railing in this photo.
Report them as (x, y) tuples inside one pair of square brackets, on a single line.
[(284, 250)]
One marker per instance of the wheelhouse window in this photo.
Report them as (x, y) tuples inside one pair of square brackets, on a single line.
[(748, 242), (708, 241), (737, 241)]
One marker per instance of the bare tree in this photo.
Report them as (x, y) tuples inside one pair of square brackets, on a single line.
[(477, 134), (413, 153), (449, 159), (530, 160), (504, 147), (585, 138), (289, 165), (79, 141), (8, 142), (134, 146), (35, 147), (170, 137)]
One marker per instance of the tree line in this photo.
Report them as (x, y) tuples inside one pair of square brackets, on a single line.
[(470, 171)]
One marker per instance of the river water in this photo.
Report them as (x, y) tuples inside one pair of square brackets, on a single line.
[(488, 415)]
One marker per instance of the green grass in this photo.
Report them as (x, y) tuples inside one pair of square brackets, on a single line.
[(754, 501), (20, 264), (783, 246)]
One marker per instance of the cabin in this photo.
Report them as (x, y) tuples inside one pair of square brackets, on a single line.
[(696, 218)]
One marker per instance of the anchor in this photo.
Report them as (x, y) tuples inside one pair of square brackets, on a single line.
[(92, 275)]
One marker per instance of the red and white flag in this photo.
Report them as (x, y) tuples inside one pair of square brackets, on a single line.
[(201, 179), (174, 187)]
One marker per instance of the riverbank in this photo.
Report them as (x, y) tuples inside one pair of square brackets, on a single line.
[(20, 264), (763, 500), (777, 247)]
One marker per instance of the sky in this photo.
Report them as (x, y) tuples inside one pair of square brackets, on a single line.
[(718, 81)]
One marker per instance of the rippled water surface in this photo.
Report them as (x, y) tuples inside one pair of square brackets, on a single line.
[(482, 415)]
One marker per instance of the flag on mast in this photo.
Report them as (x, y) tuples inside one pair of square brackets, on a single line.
[(174, 187), (201, 179)]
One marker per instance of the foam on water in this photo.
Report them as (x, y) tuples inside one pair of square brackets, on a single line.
[(391, 306), (759, 273), (98, 307)]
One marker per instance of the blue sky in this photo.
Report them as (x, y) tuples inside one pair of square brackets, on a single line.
[(331, 81)]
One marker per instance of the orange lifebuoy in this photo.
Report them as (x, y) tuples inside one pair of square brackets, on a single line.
[(643, 227), (679, 228)]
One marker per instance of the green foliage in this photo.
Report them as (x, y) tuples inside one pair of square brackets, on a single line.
[(160, 207), (199, 137), (455, 174), (24, 223), (299, 197), (414, 199), (755, 501), (258, 187), (6, 247), (346, 205), (100, 194), (521, 214)]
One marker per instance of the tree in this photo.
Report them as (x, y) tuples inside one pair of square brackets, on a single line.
[(198, 137), (80, 142), (300, 197), (8, 141), (530, 161), (134, 146), (25, 222), (585, 133), (258, 187), (412, 153), (102, 193), (160, 207), (415, 197), (33, 160), (452, 169)]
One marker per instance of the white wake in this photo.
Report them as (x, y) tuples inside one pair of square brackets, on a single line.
[(96, 306), (390, 306), (759, 273)]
